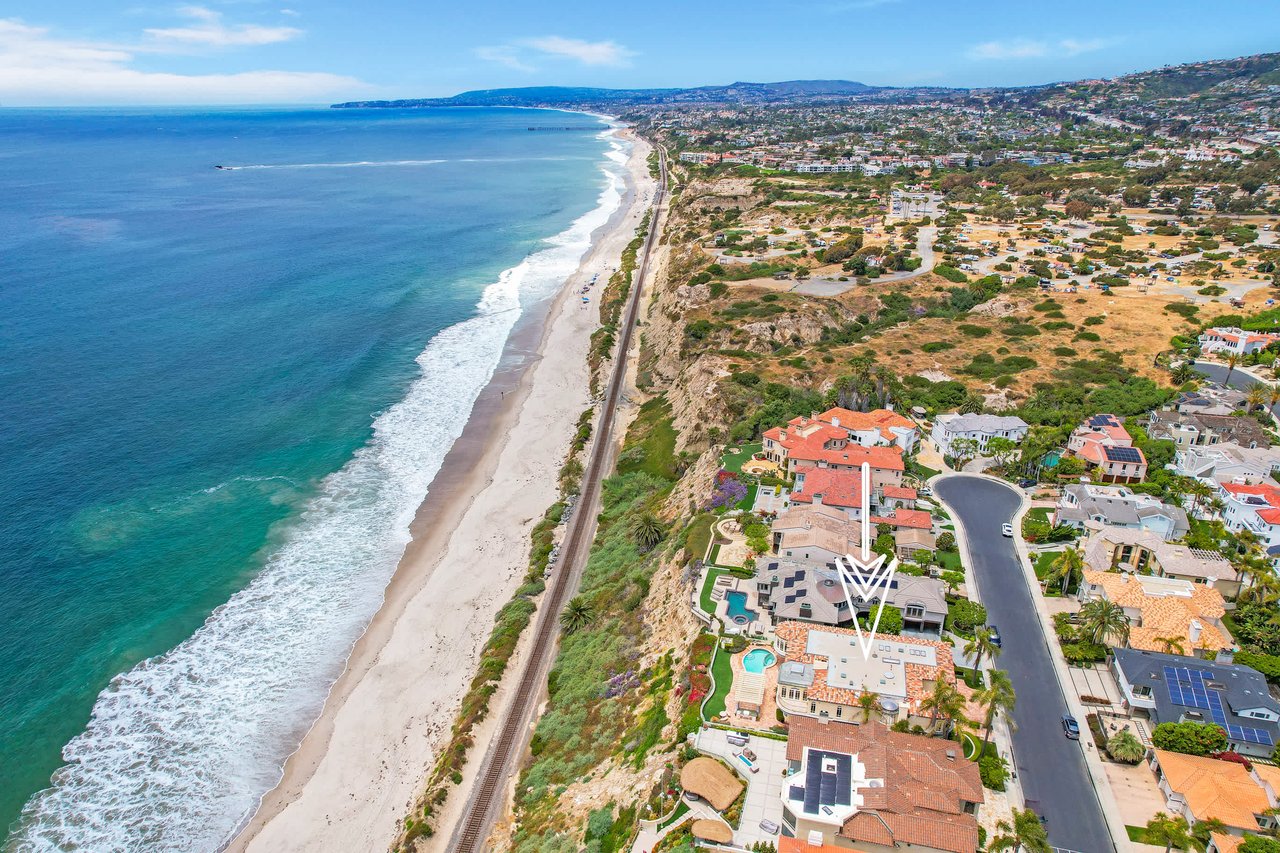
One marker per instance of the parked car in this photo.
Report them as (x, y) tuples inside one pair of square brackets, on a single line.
[(1006, 530), (1026, 484), (1071, 727), (769, 827), (995, 635)]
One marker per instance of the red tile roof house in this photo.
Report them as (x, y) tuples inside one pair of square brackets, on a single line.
[(1105, 446), (1228, 339), (807, 443), (842, 488), (867, 788)]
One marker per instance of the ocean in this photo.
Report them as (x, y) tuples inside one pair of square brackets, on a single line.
[(226, 391)]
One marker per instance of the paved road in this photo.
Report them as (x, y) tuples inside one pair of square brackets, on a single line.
[(1051, 768)]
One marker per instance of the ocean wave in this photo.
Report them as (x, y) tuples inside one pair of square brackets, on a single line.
[(180, 749)]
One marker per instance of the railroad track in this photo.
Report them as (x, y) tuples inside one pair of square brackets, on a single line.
[(503, 754)]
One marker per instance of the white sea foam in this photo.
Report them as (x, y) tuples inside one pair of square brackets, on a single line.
[(181, 748)]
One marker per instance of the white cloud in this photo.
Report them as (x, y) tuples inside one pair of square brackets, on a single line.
[(504, 54), (586, 52), (1023, 48), (521, 55), (208, 30), (39, 68)]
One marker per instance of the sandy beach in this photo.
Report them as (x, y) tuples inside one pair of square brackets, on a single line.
[(359, 768)]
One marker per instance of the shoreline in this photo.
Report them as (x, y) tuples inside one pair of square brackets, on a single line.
[(395, 702)]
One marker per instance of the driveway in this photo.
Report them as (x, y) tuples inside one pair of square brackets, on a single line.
[(764, 789), (1054, 777)]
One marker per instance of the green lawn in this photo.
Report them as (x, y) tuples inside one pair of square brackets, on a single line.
[(1044, 561), (734, 461), (1039, 513), (950, 560), (921, 471), (750, 500), (706, 601), (676, 815), (699, 536), (972, 677), (723, 674)]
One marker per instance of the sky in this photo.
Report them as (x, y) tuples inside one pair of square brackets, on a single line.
[(142, 52)]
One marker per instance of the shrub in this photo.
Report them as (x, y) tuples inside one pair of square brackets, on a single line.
[(1268, 665), (1125, 748), (1088, 336), (1094, 321), (992, 769), (937, 346), (950, 273), (966, 615), (1064, 352), (974, 331), (1189, 738), (946, 541)]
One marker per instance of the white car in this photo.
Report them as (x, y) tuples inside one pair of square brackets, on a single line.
[(1007, 530)]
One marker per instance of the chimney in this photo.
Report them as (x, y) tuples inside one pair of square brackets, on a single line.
[(1195, 631), (1225, 656), (835, 421), (817, 500), (782, 434), (815, 838), (813, 415)]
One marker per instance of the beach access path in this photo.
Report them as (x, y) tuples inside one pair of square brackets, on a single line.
[(363, 763)]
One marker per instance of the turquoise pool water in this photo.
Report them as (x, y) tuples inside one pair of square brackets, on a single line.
[(1052, 458), (758, 660), (738, 611)]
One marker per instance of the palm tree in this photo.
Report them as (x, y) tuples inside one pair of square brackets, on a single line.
[(869, 703), (1124, 746), (647, 529), (1183, 373), (998, 698), (1103, 620), (944, 703), (1170, 831), (981, 646), (1273, 397), (1066, 566), (1232, 361), (577, 614), (1171, 645), (1199, 490), (1205, 827), (1025, 833), (1256, 396)]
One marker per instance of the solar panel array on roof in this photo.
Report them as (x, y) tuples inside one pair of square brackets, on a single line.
[(827, 788), (1098, 421), (1187, 688), (1123, 454)]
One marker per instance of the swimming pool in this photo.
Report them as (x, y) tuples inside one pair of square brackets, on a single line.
[(738, 611), (757, 660)]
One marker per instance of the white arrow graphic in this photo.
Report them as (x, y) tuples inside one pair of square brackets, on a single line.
[(865, 573)]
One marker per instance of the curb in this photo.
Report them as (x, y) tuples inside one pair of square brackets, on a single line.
[(1097, 774)]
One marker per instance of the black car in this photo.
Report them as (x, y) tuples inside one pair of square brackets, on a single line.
[(1071, 727), (1026, 484), (994, 633)]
